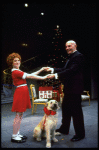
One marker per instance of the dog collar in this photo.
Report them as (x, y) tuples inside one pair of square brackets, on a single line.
[(49, 112)]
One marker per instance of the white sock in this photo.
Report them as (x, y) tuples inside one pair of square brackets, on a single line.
[(19, 134), (15, 137)]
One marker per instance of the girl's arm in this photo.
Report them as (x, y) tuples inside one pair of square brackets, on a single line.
[(37, 72), (33, 76)]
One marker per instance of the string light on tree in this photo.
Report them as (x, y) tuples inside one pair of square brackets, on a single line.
[(24, 44), (42, 13), (39, 33), (57, 26), (26, 5)]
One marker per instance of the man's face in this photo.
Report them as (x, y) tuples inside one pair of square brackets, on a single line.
[(70, 48)]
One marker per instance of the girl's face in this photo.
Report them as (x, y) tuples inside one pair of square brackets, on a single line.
[(16, 63)]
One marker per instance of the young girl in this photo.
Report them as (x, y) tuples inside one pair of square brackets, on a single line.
[(21, 99)]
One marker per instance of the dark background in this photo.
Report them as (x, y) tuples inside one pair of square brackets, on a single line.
[(77, 21)]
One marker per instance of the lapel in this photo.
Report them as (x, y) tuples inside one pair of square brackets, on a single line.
[(71, 57)]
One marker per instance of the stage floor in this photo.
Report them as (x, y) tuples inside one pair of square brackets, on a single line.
[(30, 121)]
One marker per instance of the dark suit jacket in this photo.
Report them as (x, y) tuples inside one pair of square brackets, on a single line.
[(72, 73)]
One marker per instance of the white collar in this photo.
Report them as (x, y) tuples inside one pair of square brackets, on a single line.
[(14, 69), (74, 51)]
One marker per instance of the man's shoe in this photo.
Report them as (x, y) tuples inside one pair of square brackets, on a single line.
[(61, 131), (76, 138)]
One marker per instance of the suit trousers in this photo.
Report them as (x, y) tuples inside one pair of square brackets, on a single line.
[(71, 107)]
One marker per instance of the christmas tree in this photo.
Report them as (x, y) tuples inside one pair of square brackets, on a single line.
[(56, 57)]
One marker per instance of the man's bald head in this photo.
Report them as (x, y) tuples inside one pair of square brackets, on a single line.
[(71, 42)]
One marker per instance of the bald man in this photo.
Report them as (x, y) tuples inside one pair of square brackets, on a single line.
[(72, 76)]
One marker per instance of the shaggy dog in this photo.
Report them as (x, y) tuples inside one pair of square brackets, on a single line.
[(46, 127)]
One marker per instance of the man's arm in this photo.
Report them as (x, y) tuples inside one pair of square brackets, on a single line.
[(76, 65)]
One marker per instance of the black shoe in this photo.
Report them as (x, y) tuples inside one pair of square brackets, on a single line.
[(23, 137), (62, 131), (18, 141), (76, 138)]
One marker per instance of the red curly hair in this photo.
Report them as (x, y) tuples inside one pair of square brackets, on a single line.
[(11, 57)]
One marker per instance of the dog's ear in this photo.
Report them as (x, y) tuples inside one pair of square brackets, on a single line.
[(46, 104)]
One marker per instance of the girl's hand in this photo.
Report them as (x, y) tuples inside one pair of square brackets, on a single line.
[(46, 77), (50, 76), (46, 68), (42, 68)]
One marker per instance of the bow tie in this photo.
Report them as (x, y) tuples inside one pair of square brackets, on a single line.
[(69, 56)]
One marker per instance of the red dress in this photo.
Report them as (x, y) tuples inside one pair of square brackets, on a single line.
[(21, 99)]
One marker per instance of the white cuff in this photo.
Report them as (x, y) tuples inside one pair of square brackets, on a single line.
[(52, 71), (56, 76), (24, 75)]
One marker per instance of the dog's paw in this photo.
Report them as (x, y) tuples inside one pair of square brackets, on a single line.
[(55, 140), (48, 145), (57, 133), (38, 139)]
